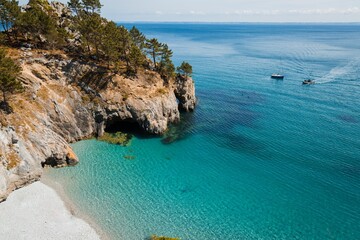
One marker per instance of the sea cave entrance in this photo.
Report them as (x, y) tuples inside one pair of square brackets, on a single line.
[(129, 126)]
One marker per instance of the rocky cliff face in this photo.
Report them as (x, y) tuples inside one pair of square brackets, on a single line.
[(66, 101), (185, 92)]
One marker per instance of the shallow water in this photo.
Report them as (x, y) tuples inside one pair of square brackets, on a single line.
[(258, 159)]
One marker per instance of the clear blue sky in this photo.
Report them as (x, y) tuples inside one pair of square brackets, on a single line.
[(232, 10)]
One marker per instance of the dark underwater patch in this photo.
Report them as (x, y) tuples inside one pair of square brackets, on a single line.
[(348, 118), (240, 143), (180, 131)]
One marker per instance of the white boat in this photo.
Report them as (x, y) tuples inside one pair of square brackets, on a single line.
[(277, 76)]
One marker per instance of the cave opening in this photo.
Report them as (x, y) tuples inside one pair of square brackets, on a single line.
[(128, 126), (50, 162)]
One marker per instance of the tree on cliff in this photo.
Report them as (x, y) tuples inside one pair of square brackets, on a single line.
[(91, 29), (91, 26), (9, 71), (185, 69), (87, 6), (166, 67), (9, 12), (136, 58), (92, 5), (138, 38), (38, 24), (109, 44), (76, 6), (124, 43), (154, 50)]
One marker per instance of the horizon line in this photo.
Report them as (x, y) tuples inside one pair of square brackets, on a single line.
[(235, 22)]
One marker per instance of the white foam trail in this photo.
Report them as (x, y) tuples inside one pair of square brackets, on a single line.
[(338, 71)]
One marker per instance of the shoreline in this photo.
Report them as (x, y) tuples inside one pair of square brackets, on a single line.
[(70, 206), (38, 211)]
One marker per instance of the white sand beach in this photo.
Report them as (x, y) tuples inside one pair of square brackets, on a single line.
[(37, 212)]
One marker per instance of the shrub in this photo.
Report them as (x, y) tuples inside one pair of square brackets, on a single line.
[(118, 138)]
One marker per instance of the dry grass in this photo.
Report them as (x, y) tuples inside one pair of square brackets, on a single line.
[(25, 112), (162, 91), (3, 120), (37, 74), (43, 93), (125, 97), (85, 98), (60, 90), (14, 53), (13, 160)]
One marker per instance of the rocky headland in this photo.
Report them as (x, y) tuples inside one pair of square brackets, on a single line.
[(67, 100)]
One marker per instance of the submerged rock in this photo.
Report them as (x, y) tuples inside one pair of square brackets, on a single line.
[(117, 138)]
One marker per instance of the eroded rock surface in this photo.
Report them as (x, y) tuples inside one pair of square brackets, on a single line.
[(67, 100), (185, 92)]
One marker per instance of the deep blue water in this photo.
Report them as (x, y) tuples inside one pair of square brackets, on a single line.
[(258, 159)]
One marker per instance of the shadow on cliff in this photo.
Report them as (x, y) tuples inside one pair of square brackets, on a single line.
[(130, 127), (98, 80), (5, 107)]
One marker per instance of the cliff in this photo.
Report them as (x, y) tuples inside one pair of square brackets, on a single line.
[(66, 100)]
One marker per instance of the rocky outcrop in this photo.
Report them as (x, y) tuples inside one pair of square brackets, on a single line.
[(63, 18), (66, 101), (185, 93)]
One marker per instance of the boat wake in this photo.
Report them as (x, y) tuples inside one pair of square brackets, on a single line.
[(340, 72)]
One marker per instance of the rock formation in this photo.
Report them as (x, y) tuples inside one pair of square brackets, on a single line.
[(66, 100), (185, 92)]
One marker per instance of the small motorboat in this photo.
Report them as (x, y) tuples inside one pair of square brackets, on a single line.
[(308, 82), (277, 76)]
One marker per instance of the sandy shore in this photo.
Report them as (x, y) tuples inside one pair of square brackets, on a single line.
[(37, 212)]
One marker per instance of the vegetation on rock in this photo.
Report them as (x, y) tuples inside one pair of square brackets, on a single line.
[(185, 69), (9, 13), (75, 68), (87, 33), (118, 138), (9, 72)]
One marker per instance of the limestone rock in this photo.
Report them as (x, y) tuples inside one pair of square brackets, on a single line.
[(185, 92), (66, 101)]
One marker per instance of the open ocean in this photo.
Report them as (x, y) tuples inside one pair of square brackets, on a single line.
[(258, 159)]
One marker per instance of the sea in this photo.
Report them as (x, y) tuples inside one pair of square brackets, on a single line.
[(259, 158)]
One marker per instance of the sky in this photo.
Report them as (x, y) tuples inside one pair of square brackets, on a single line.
[(231, 10)]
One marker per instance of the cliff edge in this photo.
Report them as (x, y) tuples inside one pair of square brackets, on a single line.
[(66, 100)]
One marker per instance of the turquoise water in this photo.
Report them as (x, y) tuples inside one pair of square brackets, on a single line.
[(258, 159)]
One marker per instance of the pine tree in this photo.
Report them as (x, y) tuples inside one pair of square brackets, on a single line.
[(136, 58), (185, 69), (9, 72), (9, 12), (138, 38), (166, 67), (91, 29), (154, 50), (109, 44), (76, 6), (38, 23), (124, 43), (93, 6)]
